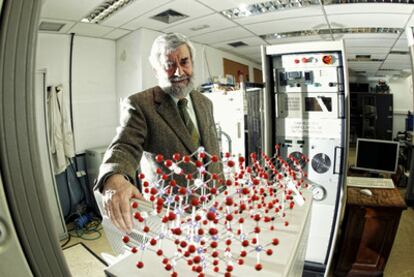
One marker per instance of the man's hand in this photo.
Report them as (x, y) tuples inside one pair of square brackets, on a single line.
[(117, 192)]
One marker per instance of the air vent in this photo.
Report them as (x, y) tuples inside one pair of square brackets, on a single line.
[(200, 27), (363, 57), (169, 16), (399, 52), (237, 44), (51, 26)]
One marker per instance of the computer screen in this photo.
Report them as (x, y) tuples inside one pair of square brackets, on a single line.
[(377, 155)]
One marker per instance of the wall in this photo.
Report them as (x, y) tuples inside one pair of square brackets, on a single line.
[(94, 102), (402, 89), (93, 84)]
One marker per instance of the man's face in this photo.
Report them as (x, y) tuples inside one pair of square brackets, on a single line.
[(177, 71)]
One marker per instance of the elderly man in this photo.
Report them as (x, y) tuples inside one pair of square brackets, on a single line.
[(166, 119)]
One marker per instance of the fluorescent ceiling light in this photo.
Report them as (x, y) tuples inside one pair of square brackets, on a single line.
[(271, 6), (105, 10), (314, 32), (244, 10)]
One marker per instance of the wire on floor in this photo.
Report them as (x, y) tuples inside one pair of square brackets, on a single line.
[(86, 228)]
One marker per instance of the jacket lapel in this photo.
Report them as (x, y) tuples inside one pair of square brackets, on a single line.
[(167, 109), (202, 115)]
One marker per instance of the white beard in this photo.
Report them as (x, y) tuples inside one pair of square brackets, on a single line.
[(177, 90)]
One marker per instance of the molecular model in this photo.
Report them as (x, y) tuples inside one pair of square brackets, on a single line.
[(212, 223)]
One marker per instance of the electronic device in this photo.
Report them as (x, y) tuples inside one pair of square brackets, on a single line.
[(377, 155), (366, 192), (306, 115)]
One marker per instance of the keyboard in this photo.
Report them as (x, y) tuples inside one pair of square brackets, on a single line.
[(367, 182)]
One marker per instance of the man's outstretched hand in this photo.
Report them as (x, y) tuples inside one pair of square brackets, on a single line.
[(117, 192)]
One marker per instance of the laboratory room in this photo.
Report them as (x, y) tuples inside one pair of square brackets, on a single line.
[(206, 138)]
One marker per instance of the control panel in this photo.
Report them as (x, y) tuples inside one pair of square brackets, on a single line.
[(308, 121)]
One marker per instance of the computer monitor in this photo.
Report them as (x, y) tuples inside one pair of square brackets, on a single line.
[(377, 155)]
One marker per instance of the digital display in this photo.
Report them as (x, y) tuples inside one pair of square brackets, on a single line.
[(318, 104), (377, 155)]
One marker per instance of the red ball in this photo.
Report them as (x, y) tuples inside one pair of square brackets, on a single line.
[(275, 241), (258, 267), (159, 252), (140, 264), (134, 205), (134, 250), (125, 239), (269, 252), (176, 156), (159, 158), (186, 159), (214, 158)]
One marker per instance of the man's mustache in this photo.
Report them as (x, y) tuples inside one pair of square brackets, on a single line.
[(179, 78)]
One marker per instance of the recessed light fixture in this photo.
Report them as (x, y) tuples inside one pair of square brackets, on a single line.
[(106, 9)]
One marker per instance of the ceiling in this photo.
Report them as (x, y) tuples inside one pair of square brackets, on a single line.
[(219, 30)]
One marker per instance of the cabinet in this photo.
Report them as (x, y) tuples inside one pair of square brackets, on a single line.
[(370, 225), (371, 116)]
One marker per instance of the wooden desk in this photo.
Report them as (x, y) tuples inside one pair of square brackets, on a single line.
[(370, 225)]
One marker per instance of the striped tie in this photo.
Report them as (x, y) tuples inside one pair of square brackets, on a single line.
[(182, 108)]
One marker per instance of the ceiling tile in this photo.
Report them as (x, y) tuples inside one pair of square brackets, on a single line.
[(91, 30), (282, 14), (250, 41), (369, 20), (133, 10), (288, 25), (401, 44), (116, 34), (68, 9), (395, 65), (187, 7), (356, 8), (214, 21), (367, 50), (371, 65), (399, 58), (383, 43), (235, 33), (366, 36)]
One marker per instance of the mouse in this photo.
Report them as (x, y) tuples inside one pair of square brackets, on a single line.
[(366, 192)]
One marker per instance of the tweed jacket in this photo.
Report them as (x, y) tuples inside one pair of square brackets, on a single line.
[(151, 125)]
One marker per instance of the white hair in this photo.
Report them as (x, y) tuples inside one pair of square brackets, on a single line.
[(165, 44)]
